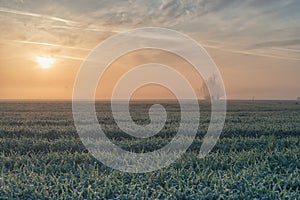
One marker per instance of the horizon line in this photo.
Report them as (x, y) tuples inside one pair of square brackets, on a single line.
[(107, 100)]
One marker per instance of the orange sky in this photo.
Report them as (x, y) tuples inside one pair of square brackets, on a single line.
[(254, 59)]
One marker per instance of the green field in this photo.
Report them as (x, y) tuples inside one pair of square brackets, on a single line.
[(257, 156)]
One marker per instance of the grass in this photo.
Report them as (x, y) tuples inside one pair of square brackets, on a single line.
[(257, 157)]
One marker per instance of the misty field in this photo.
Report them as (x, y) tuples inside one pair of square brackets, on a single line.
[(257, 156)]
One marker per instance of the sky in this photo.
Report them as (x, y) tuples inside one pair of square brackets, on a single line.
[(254, 43)]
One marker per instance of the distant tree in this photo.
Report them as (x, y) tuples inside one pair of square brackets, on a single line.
[(214, 85)]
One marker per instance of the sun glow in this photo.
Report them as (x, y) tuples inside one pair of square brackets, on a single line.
[(45, 62)]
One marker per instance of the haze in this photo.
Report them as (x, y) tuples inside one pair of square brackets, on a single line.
[(254, 43)]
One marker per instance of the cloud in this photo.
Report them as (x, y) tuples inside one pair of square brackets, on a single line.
[(275, 53), (17, 12), (281, 43), (70, 57), (250, 26), (50, 45)]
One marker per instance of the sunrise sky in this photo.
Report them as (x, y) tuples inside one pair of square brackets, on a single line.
[(255, 43)]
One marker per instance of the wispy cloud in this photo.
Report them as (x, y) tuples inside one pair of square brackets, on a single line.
[(70, 57), (276, 43), (30, 14), (50, 44), (282, 55), (288, 50), (225, 21)]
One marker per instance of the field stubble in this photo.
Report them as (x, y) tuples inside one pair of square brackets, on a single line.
[(257, 156)]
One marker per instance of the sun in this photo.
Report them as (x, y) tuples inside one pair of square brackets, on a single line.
[(45, 62)]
